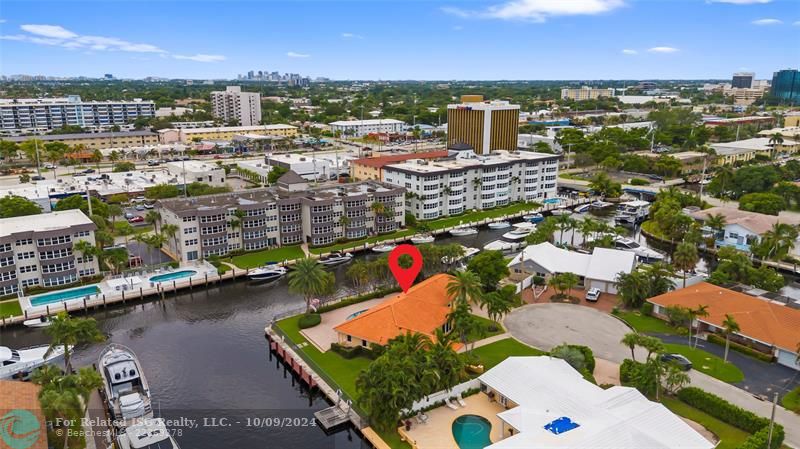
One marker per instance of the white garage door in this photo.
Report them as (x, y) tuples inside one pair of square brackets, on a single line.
[(787, 358), (606, 287)]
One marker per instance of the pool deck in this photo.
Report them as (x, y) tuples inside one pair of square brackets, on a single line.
[(322, 335), (437, 432)]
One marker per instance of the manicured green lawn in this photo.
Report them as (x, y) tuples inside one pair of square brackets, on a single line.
[(434, 225), (730, 437), (792, 400), (258, 258), (708, 363), (10, 308), (494, 353), (485, 323), (647, 324)]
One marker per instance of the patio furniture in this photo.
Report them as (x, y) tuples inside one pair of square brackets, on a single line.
[(422, 418), (450, 405), (461, 401), (454, 402)]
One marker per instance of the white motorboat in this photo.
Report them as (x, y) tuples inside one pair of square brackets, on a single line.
[(499, 225), (520, 231), (20, 363), (506, 245), (533, 218), (335, 258), (643, 253), (383, 248), (561, 210), (269, 272), (124, 384), (463, 231), (420, 239), (42, 321), (148, 434), (583, 208), (468, 252), (632, 212), (600, 204)]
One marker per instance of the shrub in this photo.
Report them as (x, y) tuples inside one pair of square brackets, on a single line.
[(309, 320), (628, 371), (759, 439), (174, 264), (722, 409), (538, 280), (647, 308), (746, 350), (470, 392), (357, 299), (588, 357), (639, 182)]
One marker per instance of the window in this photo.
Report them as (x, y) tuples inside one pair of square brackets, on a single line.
[(214, 229), (26, 255), (212, 218), (82, 234), (87, 272), (254, 223), (6, 261), (24, 242), (28, 269), (5, 247), (84, 259), (47, 255), (287, 240), (63, 280), (58, 267), (189, 219), (190, 242), (7, 276), (54, 240), (191, 230), (215, 241), (29, 282), (9, 289), (191, 255)]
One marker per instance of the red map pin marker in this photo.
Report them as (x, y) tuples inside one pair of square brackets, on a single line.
[(405, 276)]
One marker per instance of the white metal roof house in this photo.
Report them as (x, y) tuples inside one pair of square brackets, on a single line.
[(596, 270), (550, 405)]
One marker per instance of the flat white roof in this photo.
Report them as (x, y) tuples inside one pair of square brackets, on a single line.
[(746, 146), (547, 389), (449, 164), (44, 222), (242, 129), (603, 264), (385, 121), (192, 166)]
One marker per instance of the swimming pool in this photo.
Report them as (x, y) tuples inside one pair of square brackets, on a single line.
[(472, 432), (173, 276), (64, 295), (355, 314), (552, 201)]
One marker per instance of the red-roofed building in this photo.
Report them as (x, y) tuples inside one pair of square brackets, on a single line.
[(372, 167)]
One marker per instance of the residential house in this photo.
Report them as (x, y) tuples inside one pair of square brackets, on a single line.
[(743, 229)]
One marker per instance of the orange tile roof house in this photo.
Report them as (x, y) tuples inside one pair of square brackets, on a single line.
[(764, 324), (423, 309), (372, 167), (21, 412)]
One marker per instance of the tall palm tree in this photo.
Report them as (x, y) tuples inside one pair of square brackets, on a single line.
[(563, 223), (153, 217), (449, 365), (779, 240), (500, 302), (310, 280), (587, 228), (170, 232), (68, 332), (717, 223), (729, 326), (776, 139), (685, 258), (465, 287), (699, 312)]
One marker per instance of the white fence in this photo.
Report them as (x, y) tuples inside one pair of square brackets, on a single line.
[(527, 282), (445, 394)]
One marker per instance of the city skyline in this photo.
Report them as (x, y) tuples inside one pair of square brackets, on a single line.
[(515, 40)]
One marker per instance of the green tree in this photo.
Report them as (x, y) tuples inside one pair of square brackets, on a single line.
[(490, 266), (698, 312), (465, 287), (605, 186), (571, 355), (729, 326), (17, 206), (310, 280), (717, 224), (162, 191), (8, 149), (79, 202), (563, 282), (275, 173), (67, 332), (685, 258), (124, 166), (124, 229), (501, 301), (763, 203), (153, 217), (631, 340), (776, 243)]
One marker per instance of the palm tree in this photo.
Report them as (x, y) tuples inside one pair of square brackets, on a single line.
[(564, 223), (462, 322), (124, 229), (587, 228), (631, 340), (563, 282), (154, 218), (729, 326), (310, 280), (114, 211), (170, 231), (776, 139), (779, 240), (68, 332), (465, 287), (700, 311), (717, 223), (685, 258), (449, 365), (500, 302), (359, 274)]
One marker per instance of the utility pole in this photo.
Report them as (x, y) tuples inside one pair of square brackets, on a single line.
[(772, 419)]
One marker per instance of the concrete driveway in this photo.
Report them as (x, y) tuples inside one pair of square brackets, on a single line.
[(547, 325)]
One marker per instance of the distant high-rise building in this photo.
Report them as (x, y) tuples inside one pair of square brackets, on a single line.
[(483, 125), (742, 80), (786, 85), (233, 104), (28, 114), (108, 76), (585, 93), (646, 85), (250, 75)]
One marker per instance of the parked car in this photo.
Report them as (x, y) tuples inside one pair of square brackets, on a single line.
[(152, 162), (148, 206), (140, 207), (593, 294), (89, 170), (136, 219), (37, 178), (677, 359), (50, 166), (129, 215)]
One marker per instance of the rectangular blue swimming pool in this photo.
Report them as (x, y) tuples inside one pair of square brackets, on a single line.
[(64, 295), (173, 276)]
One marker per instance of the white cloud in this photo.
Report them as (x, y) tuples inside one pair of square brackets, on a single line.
[(292, 54), (201, 58), (352, 36), (628, 51), (54, 31), (458, 28), (764, 22), (663, 50), (3, 21), (797, 24), (537, 10), (741, 2), (13, 37)]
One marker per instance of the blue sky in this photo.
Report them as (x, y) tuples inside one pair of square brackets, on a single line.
[(417, 39)]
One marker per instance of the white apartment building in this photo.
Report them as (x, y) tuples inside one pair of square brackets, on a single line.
[(233, 104), (360, 128), (43, 114), (39, 250), (464, 181), (586, 93), (197, 171)]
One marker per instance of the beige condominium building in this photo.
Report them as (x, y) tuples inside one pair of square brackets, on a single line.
[(233, 104), (188, 135), (483, 125), (97, 141), (586, 93)]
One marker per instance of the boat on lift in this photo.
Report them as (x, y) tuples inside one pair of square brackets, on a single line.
[(335, 258), (20, 363)]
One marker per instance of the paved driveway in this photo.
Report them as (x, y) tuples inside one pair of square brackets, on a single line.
[(547, 325)]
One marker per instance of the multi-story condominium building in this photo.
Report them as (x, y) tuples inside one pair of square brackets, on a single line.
[(586, 93), (39, 250), (42, 114), (360, 128), (484, 125), (98, 141), (233, 104), (742, 80), (465, 180), (289, 214), (786, 85), (188, 135)]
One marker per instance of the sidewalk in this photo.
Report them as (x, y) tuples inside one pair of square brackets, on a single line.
[(486, 341)]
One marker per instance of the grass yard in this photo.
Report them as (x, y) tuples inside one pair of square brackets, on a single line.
[(792, 400), (647, 324), (708, 363), (258, 258), (10, 308), (485, 323), (730, 437), (494, 353)]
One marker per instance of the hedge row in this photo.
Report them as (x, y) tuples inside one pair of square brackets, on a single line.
[(357, 299), (309, 320), (735, 416), (350, 352), (746, 350)]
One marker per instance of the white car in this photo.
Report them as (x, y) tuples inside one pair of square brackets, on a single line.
[(593, 294)]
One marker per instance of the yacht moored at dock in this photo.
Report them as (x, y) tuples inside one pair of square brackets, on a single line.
[(521, 230), (420, 239), (269, 272), (149, 434), (42, 321), (335, 258), (499, 225), (534, 218), (126, 391), (632, 212), (384, 248), (463, 231), (20, 363)]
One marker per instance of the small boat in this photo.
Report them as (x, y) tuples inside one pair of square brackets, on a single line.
[(499, 225), (420, 239), (335, 258), (533, 218), (463, 231), (42, 321), (600, 204), (520, 231), (643, 253), (506, 245), (20, 363), (561, 210), (148, 434), (583, 208), (468, 252), (125, 387), (383, 248), (268, 272)]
